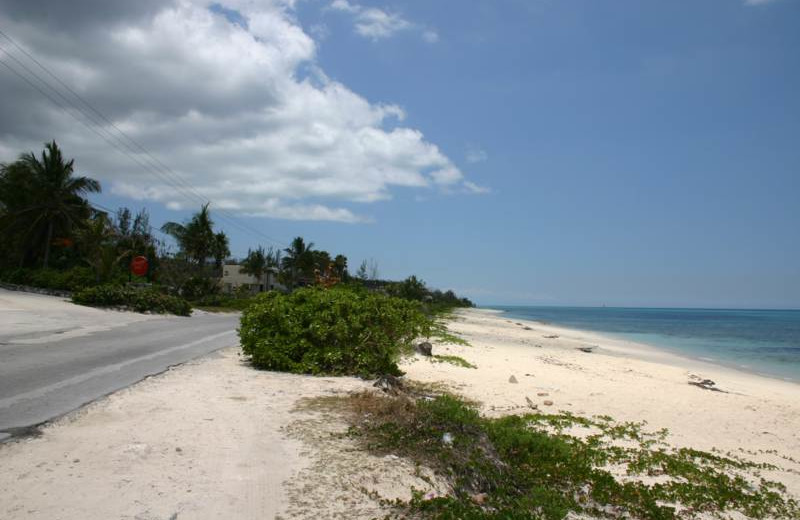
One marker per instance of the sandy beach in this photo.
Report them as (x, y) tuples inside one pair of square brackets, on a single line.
[(626, 380), (216, 439)]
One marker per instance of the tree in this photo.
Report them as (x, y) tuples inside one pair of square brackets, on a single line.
[(361, 274), (273, 257), (100, 249), (220, 250), (255, 263), (135, 235), (298, 264), (368, 270), (43, 200), (197, 240), (340, 267)]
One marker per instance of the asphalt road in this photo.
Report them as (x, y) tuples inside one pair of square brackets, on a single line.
[(39, 382)]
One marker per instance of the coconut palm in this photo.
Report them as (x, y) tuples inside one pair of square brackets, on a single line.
[(43, 199), (196, 238), (255, 263), (298, 264)]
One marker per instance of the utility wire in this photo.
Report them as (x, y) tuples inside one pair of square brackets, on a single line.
[(152, 165), (131, 153)]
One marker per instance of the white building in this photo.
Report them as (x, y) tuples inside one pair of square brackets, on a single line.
[(233, 278)]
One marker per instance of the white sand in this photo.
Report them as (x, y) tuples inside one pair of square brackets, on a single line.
[(210, 439), (216, 439), (37, 318), (626, 380)]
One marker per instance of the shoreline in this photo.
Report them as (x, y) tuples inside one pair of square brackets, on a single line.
[(741, 413), (216, 438), (682, 357)]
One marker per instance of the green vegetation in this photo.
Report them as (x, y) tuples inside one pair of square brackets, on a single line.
[(71, 279), (51, 237), (453, 360), (42, 204), (342, 331), (223, 303), (538, 466), (139, 300), (414, 289)]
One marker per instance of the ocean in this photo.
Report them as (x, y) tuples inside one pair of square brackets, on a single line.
[(765, 342)]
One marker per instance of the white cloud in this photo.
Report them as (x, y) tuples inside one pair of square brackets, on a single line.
[(243, 113), (377, 24), (476, 155), (471, 187), (430, 36)]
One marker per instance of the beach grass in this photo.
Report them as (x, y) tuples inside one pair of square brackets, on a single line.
[(547, 465)]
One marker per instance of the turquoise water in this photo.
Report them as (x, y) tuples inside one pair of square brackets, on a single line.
[(762, 341)]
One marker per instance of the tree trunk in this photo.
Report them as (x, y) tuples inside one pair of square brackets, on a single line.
[(47, 243)]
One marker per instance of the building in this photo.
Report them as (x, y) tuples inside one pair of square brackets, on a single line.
[(233, 279)]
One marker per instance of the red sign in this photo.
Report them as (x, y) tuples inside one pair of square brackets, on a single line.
[(139, 266)]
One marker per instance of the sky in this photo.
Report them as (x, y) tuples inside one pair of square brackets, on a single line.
[(548, 152)]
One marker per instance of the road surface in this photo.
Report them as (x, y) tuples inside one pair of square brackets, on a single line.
[(44, 379)]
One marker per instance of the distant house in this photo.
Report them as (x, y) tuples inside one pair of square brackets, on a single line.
[(233, 279)]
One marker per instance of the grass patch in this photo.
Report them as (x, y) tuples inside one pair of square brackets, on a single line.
[(440, 332), (453, 360), (545, 466)]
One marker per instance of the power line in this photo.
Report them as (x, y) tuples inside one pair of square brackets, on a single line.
[(190, 193), (151, 165)]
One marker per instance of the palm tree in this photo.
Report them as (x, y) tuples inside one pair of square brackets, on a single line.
[(220, 250), (43, 198), (299, 261), (196, 238), (340, 266), (255, 263)]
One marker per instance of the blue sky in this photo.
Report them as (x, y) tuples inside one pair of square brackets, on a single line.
[(618, 153)]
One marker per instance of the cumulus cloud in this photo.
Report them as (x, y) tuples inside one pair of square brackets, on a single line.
[(229, 97), (377, 24)]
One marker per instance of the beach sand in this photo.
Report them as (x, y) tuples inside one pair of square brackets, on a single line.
[(216, 439), (626, 380)]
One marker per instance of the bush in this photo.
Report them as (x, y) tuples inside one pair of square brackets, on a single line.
[(199, 287), (219, 302), (72, 279), (139, 300), (337, 331)]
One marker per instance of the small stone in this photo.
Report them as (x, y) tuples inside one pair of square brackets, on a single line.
[(512, 379), (75, 461), (531, 404), (424, 348), (548, 403), (542, 394), (178, 449)]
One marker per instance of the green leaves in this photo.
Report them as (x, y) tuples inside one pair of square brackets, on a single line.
[(339, 331), (146, 300)]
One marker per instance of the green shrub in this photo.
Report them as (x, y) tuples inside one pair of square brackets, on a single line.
[(340, 331), (139, 300), (533, 466), (72, 279), (199, 287), (222, 303)]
